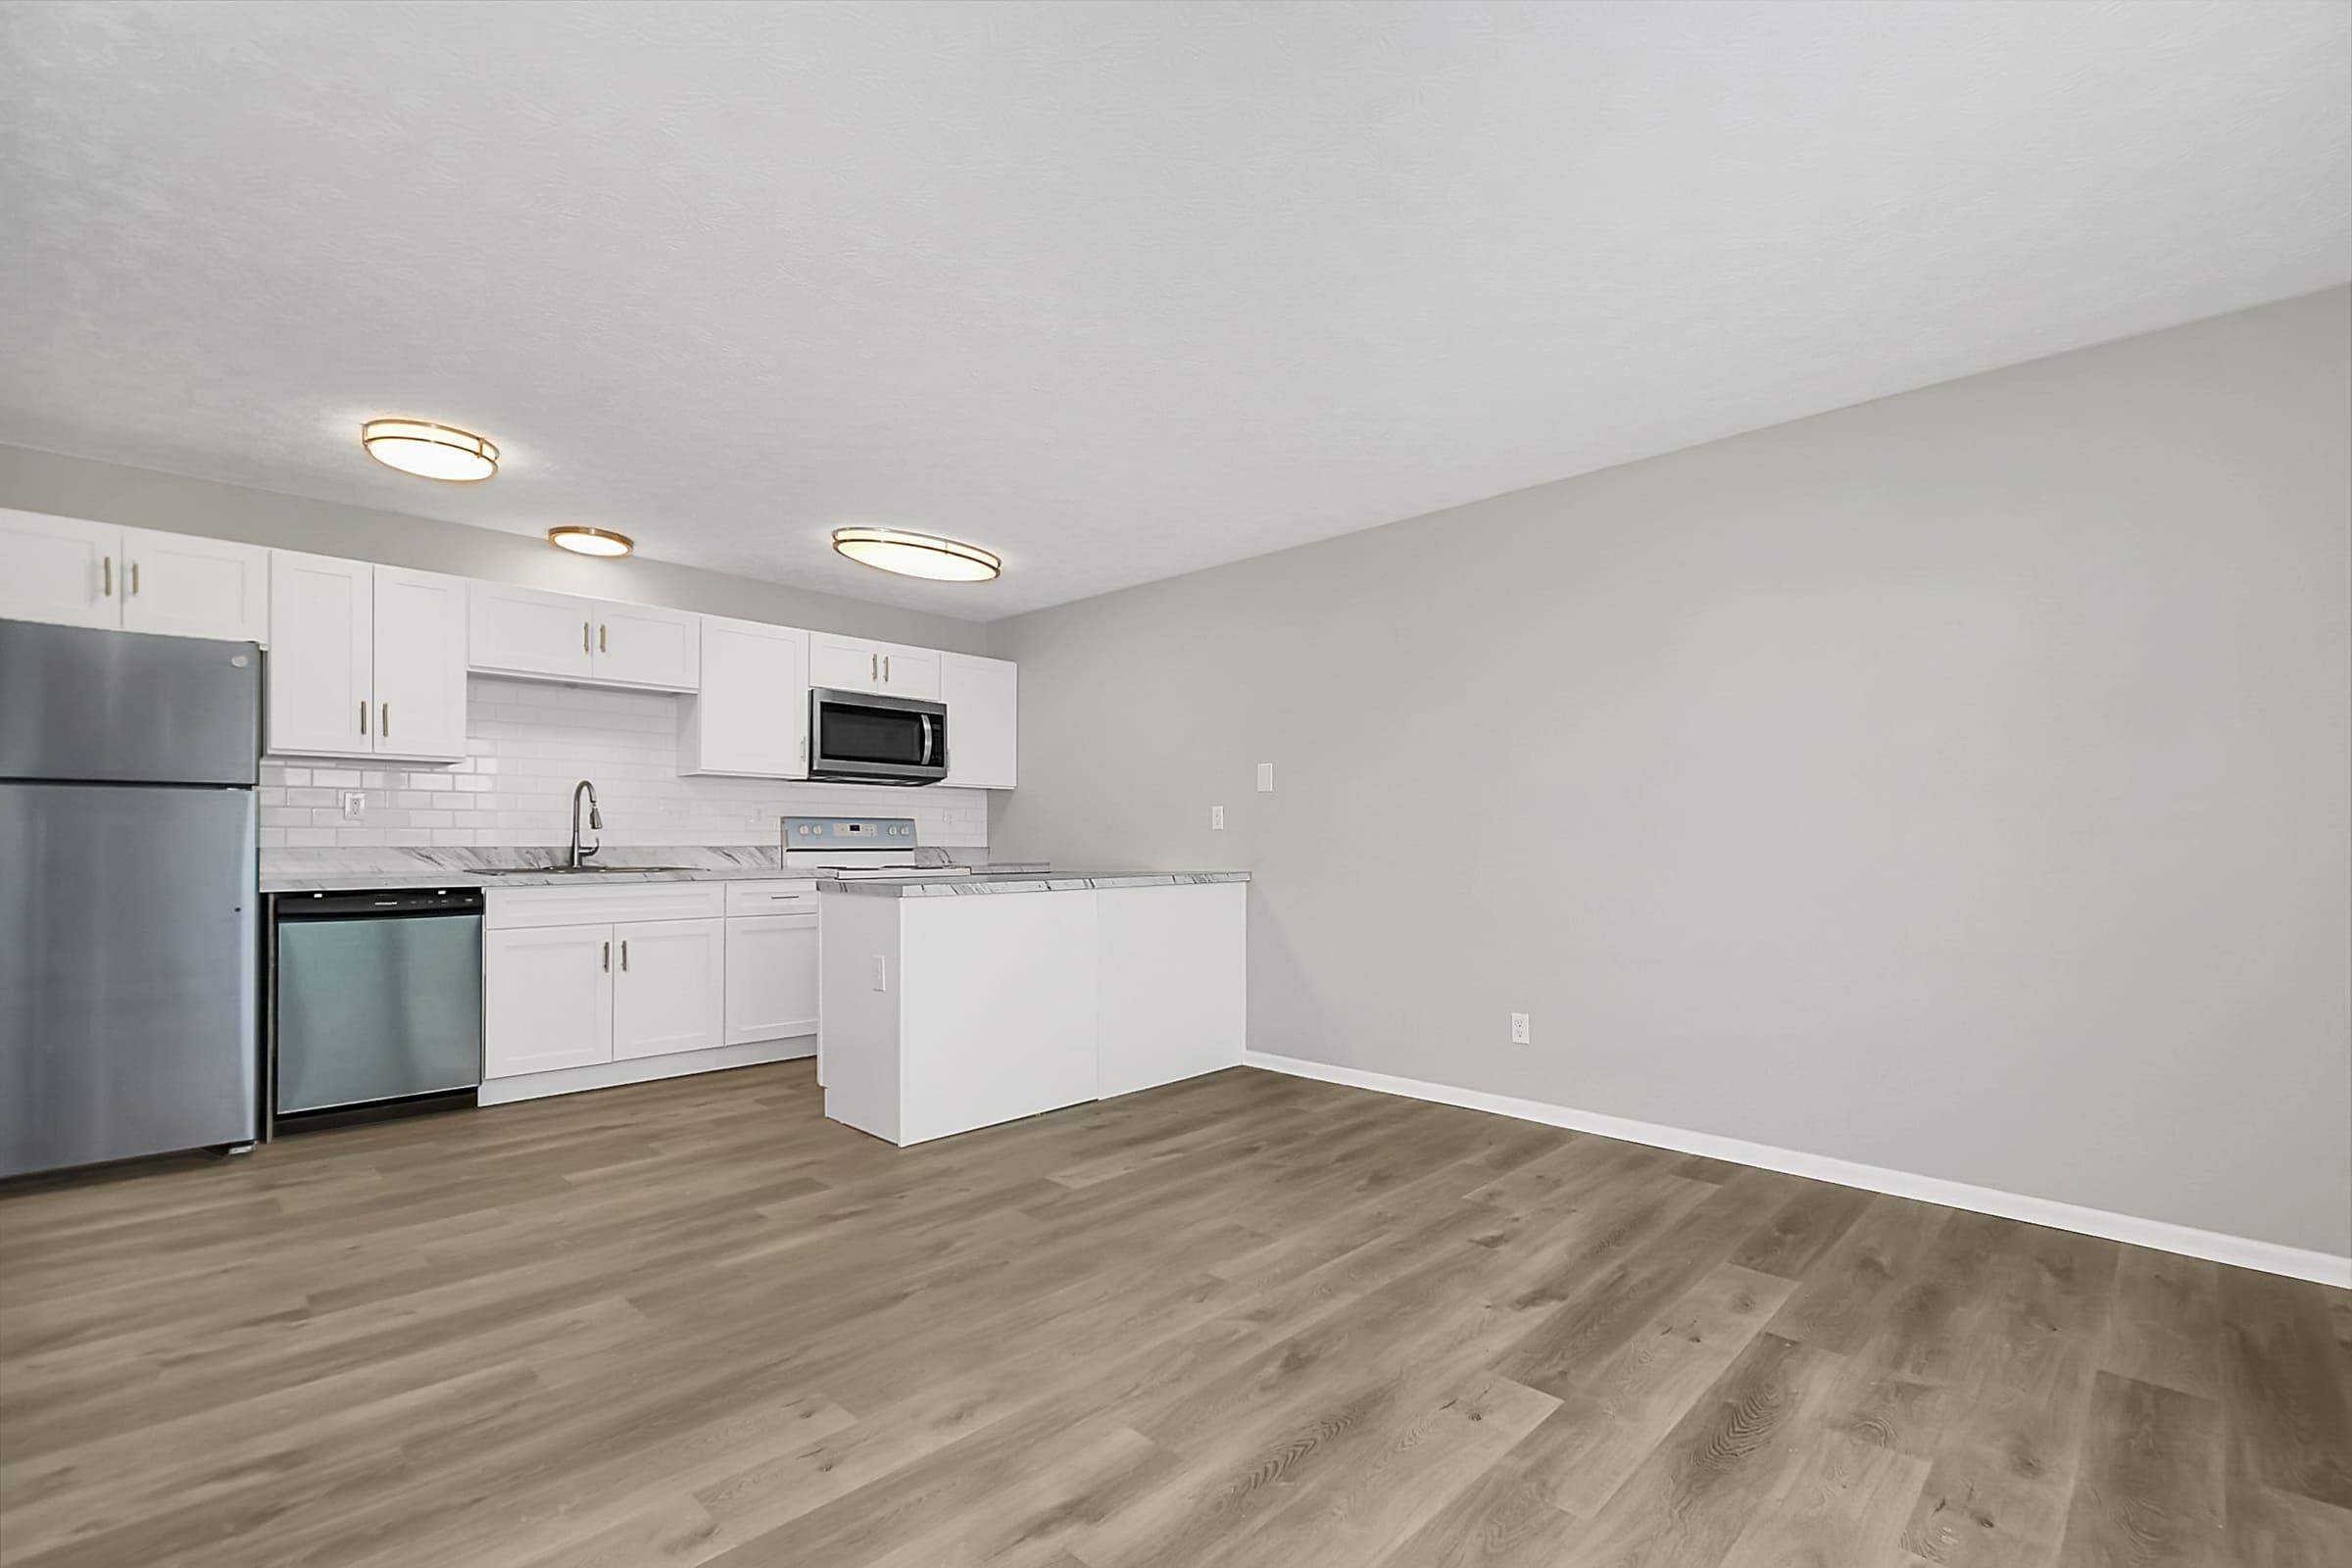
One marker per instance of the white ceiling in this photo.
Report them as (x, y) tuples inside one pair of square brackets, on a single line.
[(1116, 291)]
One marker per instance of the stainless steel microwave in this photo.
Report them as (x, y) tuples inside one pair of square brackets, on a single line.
[(863, 738)]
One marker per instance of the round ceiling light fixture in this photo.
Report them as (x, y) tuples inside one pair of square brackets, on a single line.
[(590, 541), (917, 555), (429, 450)]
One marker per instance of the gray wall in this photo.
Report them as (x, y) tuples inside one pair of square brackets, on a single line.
[(1957, 783), (76, 487)]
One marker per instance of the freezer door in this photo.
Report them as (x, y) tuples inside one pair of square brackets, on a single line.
[(128, 972), (81, 706)]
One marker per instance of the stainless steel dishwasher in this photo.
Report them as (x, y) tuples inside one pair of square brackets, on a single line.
[(378, 1000)]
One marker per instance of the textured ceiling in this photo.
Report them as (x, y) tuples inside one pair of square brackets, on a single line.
[(1116, 291)]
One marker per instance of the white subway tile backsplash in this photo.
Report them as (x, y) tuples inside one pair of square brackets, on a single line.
[(529, 744)]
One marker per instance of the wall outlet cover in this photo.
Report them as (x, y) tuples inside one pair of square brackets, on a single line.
[(355, 804), (1265, 778), (1519, 1034), (1216, 816)]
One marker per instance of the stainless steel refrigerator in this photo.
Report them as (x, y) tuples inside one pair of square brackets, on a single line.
[(129, 917)]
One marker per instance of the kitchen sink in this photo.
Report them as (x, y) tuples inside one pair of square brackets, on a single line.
[(584, 870)]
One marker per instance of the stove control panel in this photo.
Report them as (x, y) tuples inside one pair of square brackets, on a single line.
[(849, 833)]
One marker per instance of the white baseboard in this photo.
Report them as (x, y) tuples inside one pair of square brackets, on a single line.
[(2244, 1253), (642, 1070)]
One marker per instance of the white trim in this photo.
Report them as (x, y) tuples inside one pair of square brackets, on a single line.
[(2271, 1257), (642, 1069)]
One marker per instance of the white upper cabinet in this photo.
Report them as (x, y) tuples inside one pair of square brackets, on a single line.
[(79, 573), (528, 631), (420, 664), (321, 694), (983, 698), (188, 587), (750, 714), (643, 645), (859, 664), (367, 661), (523, 631), (60, 570)]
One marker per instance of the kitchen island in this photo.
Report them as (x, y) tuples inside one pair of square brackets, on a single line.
[(958, 1001)]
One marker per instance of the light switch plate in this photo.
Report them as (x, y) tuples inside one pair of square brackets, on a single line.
[(1265, 778), (1216, 816), (881, 972)]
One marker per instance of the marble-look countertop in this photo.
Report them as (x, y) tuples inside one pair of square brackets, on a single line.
[(997, 879), (389, 870)]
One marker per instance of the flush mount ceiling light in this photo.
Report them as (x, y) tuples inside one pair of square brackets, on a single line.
[(917, 555), (429, 450), (590, 541)]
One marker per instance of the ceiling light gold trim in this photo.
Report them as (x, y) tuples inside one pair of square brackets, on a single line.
[(917, 555), (584, 541), (430, 451)]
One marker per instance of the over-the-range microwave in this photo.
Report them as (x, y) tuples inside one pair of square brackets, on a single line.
[(862, 738)]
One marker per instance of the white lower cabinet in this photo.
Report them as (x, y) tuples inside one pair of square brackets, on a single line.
[(668, 987), (771, 977), (593, 983), (547, 998)]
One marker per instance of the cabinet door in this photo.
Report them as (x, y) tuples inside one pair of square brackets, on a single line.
[(523, 631), (983, 698), (188, 587), (420, 664), (60, 570), (771, 977), (668, 987), (845, 663), (547, 998), (640, 645), (749, 716), (319, 674), (911, 672)]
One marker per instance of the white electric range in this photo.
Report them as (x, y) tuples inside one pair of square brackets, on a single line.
[(862, 848)]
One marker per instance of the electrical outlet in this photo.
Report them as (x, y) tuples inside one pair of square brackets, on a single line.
[(355, 804), (881, 972), (1519, 1029), (1216, 816), (1265, 778)]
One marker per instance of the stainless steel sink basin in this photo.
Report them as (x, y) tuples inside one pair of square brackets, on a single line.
[(583, 870)]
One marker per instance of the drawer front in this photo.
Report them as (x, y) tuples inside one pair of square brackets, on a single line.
[(605, 904), (771, 898)]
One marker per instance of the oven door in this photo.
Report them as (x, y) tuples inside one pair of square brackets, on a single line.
[(870, 739)]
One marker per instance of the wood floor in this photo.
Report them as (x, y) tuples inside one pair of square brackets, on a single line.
[(1242, 1322)]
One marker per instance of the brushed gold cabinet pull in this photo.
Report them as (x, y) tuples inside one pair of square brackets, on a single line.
[(109, 566), (135, 579), (584, 648), (603, 646), (607, 957), (384, 722), (625, 954), (885, 669), (363, 715), (873, 666)]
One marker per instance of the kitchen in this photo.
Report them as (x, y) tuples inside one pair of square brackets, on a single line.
[(1175, 785), (430, 955)]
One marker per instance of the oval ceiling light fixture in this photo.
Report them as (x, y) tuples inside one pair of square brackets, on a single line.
[(429, 450), (590, 541), (917, 555)]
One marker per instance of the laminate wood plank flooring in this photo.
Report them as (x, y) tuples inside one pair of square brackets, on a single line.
[(1239, 1322)]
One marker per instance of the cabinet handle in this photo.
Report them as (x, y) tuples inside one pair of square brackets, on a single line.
[(607, 957), (363, 715), (625, 954), (384, 723), (584, 648), (107, 568), (602, 646), (873, 666), (135, 579), (885, 669)]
